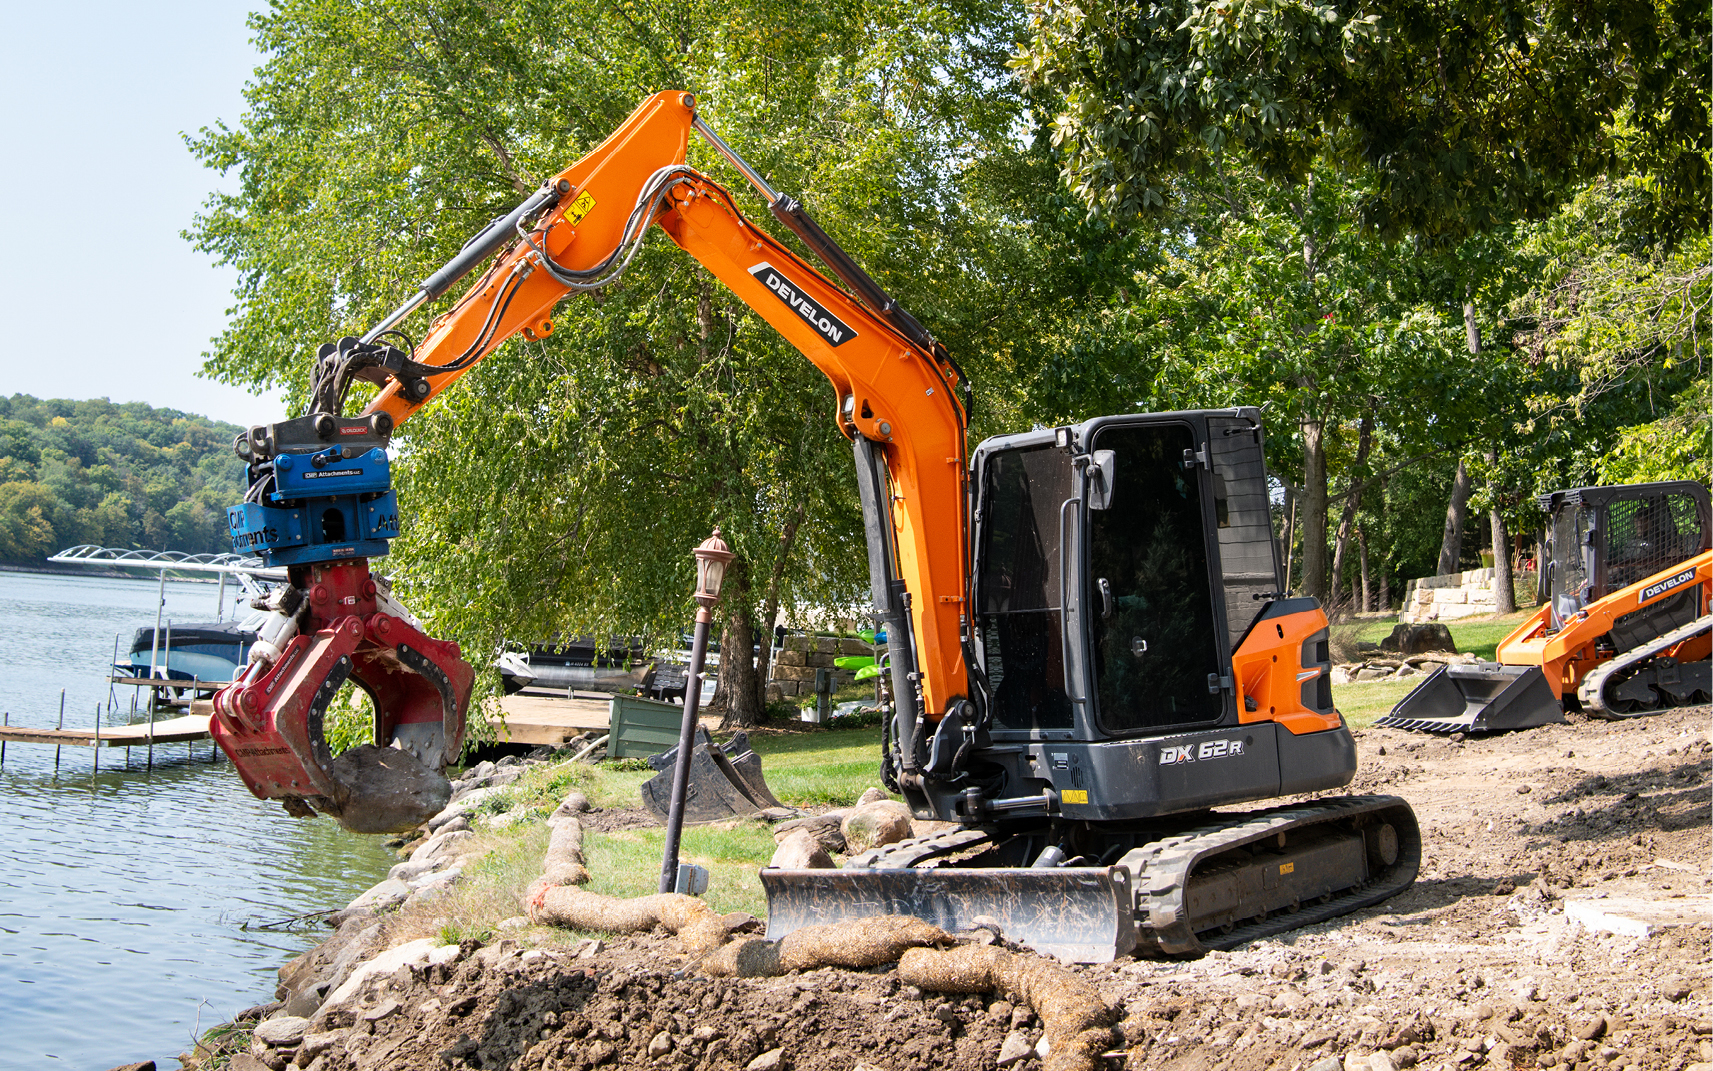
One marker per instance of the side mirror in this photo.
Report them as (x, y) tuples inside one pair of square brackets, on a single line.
[(1102, 465)]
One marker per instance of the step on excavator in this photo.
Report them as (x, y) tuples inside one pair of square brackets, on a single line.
[(1091, 645), (1623, 630)]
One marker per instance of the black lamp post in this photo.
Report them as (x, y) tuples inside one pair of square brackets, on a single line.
[(711, 559)]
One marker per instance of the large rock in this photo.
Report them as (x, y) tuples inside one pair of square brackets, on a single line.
[(384, 790), (307, 978), (801, 851), (285, 1030), (447, 844), (388, 893), (825, 828), (885, 822), (424, 950), (1419, 639)]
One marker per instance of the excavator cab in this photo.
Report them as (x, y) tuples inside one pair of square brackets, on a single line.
[(1626, 576), (1120, 567)]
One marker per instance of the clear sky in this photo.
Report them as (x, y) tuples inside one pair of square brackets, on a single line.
[(99, 293)]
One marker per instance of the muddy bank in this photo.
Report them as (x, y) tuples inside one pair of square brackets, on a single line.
[(1561, 921)]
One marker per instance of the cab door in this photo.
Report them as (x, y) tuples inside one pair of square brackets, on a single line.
[(1156, 643)]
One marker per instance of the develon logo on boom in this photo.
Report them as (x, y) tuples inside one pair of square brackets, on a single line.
[(833, 329)]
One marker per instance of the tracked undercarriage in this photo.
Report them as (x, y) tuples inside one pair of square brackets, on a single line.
[(1213, 883), (1641, 680)]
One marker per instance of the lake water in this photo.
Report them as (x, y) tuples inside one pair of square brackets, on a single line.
[(131, 901)]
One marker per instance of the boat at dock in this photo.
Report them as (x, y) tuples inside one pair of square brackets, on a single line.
[(581, 663), (206, 651)]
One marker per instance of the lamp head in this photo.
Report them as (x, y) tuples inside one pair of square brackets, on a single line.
[(711, 558)]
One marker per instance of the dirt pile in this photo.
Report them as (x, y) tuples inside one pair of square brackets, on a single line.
[(1538, 845)]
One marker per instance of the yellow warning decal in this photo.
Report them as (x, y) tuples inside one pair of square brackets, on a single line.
[(1287, 868), (1075, 795), (582, 206)]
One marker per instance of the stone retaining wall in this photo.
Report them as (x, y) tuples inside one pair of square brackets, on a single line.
[(1447, 598), (793, 671)]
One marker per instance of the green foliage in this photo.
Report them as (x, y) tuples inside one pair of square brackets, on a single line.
[(114, 475), (559, 487), (1461, 116), (1294, 205)]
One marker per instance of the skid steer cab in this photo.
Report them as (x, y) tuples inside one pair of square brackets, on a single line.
[(322, 505), (1623, 629)]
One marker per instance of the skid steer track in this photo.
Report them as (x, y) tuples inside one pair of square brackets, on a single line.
[(1239, 877), (1626, 687)]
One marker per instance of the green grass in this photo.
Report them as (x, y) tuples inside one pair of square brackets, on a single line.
[(627, 863), (1365, 702), (809, 769), (1479, 636)]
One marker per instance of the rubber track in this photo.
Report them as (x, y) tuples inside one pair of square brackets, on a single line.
[(1168, 862), (1167, 867), (1592, 691)]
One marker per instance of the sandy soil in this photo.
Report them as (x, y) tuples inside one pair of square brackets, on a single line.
[(1483, 963)]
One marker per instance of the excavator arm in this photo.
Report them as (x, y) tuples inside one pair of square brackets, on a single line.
[(320, 482)]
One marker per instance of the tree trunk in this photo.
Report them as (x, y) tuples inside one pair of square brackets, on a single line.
[(1289, 552), (1362, 558), (1352, 499), (737, 696), (770, 604), (1314, 509), (1451, 541), (1504, 592), (1385, 588), (1504, 588)]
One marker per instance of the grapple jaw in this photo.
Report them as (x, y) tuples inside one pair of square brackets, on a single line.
[(271, 720)]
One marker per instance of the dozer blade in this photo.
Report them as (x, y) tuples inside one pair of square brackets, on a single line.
[(1484, 698), (1078, 914)]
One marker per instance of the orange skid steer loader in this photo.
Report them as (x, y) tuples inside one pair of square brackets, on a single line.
[(1624, 629)]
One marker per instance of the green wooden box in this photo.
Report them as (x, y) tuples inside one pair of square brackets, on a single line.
[(642, 727)]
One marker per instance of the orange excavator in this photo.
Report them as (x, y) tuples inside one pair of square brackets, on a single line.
[(1091, 645)]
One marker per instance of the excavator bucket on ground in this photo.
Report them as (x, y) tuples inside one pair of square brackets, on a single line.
[(725, 782), (1483, 698)]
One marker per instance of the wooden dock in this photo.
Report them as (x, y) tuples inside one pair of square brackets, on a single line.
[(534, 719), (167, 731), (552, 720)]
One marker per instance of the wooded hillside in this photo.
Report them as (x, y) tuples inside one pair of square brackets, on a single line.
[(125, 475)]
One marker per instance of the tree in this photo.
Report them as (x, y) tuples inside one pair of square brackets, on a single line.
[(560, 486), (77, 470), (1461, 115)]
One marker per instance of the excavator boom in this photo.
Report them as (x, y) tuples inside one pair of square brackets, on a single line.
[(896, 394)]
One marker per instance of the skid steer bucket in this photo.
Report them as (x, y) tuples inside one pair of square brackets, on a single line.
[(1079, 914), (1483, 698)]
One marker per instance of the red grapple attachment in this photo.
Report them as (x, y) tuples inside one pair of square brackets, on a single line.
[(269, 721)]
